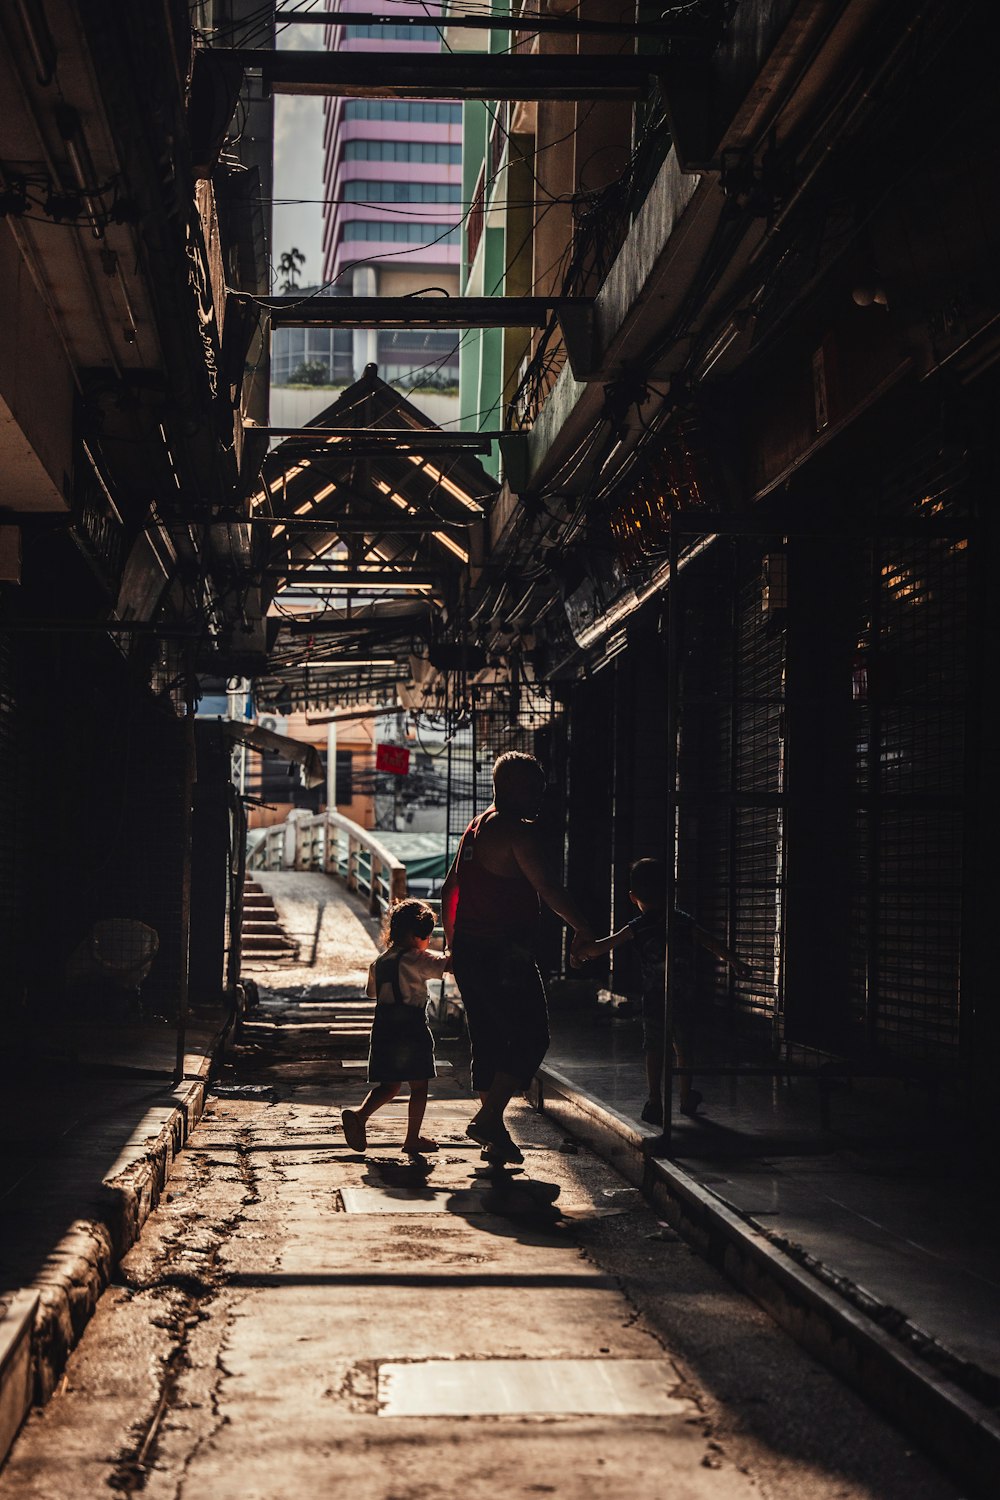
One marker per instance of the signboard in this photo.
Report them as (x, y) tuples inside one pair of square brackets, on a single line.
[(394, 758)]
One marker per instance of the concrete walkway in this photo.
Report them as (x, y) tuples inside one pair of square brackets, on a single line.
[(301, 1321)]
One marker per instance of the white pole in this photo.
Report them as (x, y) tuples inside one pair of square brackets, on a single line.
[(331, 767)]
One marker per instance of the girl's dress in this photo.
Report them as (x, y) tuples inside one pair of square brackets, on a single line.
[(402, 1047)]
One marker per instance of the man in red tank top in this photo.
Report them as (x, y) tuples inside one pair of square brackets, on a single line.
[(490, 906)]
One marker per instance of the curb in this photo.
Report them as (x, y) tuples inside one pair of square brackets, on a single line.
[(963, 1434), (41, 1324)]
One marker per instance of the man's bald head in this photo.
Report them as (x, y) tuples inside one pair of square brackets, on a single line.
[(518, 784)]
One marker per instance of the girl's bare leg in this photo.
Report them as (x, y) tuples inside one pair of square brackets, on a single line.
[(415, 1142), (376, 1097)]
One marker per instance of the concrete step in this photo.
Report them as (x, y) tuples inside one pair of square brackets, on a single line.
[(266, 942)]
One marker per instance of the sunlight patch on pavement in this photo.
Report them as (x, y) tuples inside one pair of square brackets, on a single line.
[(529, 1387)]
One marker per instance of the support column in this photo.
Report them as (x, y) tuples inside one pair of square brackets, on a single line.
[(364, 283), (819, 826)]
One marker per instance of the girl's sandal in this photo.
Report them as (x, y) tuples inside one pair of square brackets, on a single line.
[(354, 1130)]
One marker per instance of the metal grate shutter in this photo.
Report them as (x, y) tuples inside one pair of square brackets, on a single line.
[(910, 691), (705, 816), (731, 777), (758, 785)]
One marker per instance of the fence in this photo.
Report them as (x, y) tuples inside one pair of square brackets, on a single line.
[(331, 844)]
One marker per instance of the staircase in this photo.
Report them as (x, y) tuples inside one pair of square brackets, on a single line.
[(264, 940)]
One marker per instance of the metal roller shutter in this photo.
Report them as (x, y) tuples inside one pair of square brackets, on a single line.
[(731, 779), (910, 696)]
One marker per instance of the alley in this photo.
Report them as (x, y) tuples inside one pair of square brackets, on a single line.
[(298, 1320)]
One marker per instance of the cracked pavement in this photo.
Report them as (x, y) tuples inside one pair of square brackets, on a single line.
[(243, 1349)]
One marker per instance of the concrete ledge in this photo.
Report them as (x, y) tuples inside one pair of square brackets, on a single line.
[(963, 1434), (43, 1323), (16, 1325)]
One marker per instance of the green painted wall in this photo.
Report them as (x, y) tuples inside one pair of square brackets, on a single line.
[(482, 352)]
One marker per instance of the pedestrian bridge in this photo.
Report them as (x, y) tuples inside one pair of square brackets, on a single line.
[(330, 844)]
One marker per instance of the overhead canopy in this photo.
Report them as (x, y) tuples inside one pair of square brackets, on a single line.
[(369, 534), (296, 751)]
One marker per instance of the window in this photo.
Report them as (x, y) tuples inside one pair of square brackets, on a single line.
[(391, 33), (344, 786), (406, 234), (422, 151), (414, 113), (362, 191)]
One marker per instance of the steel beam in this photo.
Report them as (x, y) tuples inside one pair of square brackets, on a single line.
[(570, 25), (387, 626), (697, 523), (353, 578), (477, 441), (419, 312), (448, 75), (367, 526), (341, 452)]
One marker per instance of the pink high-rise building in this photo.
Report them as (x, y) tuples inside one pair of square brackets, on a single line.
[(392, 180)]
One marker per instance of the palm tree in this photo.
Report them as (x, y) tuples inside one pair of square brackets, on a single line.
[(288, 268)]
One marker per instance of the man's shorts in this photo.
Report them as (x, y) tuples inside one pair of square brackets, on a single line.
[(504, 1000)]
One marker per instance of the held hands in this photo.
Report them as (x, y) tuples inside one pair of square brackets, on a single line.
[(582, 949)]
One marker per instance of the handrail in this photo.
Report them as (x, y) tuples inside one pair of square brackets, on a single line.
[(334, 845)]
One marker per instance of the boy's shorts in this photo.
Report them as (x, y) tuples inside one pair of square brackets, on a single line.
[(653, 1030)]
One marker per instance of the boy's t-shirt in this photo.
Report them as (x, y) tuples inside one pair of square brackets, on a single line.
[(649, 934)]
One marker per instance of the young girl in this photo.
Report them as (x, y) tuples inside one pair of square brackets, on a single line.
[(401, 1048)]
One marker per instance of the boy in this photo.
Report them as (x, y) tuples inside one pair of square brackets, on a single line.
[(647, 891)]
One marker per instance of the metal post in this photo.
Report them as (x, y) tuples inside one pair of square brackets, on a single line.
[(237, 880), (331, 766), (187, 799), (732, 826), (662, 1145), (874, 788)]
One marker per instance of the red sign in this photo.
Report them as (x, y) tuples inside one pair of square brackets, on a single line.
[(394, 758)]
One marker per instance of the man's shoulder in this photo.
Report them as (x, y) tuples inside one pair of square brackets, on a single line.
[(523, 835)]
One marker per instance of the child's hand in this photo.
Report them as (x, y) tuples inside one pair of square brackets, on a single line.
[(582, 953)]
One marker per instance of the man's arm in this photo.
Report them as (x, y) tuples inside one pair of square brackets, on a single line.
[(597, 947), (531, 862)]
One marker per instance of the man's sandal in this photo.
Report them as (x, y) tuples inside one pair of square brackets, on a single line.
[(497, 1142)]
